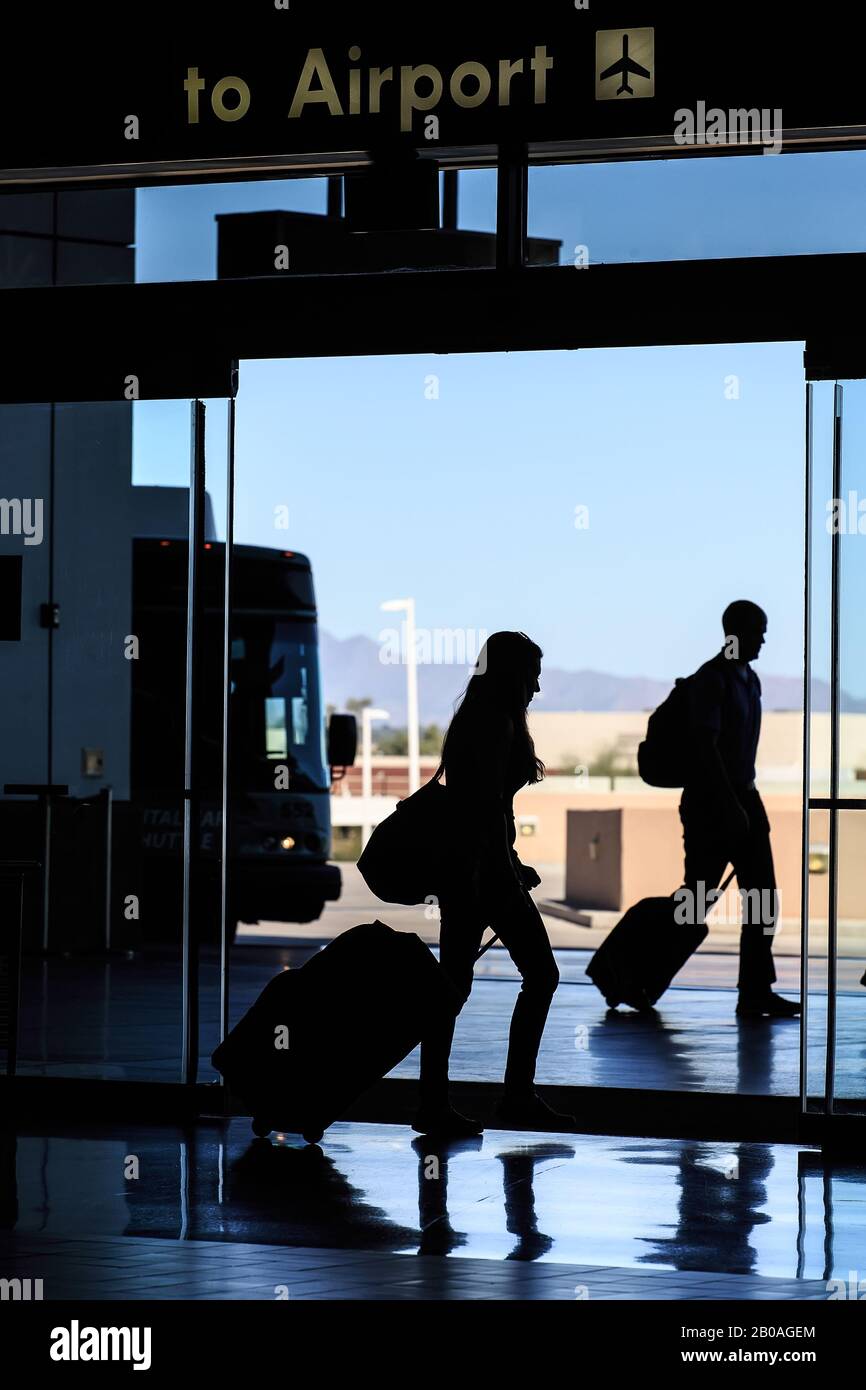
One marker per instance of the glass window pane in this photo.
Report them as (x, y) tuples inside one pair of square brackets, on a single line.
[(287, 226), (71, 238), (823, 395), (95, 706), (850, 1086), (849, 517), (702, 208), (850, 1079), (816, 969)]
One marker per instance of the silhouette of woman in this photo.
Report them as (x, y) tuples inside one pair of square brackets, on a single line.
[(487, 756)]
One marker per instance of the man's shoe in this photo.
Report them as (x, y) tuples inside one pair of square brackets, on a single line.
[(446, 1123), (531, 1112), (770, 1006)]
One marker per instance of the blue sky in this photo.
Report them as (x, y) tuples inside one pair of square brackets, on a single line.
[(693, 482), (655, 210), (468, 502)]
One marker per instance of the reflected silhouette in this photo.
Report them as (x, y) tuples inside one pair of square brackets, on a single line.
[(438, 1236), (827, 1248), (518, 1173), (296, 1195), (755, 1049), (649, 1036), (721, 1192)]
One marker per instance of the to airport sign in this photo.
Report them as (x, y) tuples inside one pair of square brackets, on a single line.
[(293, 79)]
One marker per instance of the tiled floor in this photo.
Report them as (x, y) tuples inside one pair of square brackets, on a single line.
[(375, 1211), (123, 1019), (141, 1269)]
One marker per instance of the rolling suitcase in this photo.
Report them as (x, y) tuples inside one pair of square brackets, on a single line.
[(318, 1037), (637, 961)]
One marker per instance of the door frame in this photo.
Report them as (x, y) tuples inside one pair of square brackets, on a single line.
[(838, 362), (66, 343)]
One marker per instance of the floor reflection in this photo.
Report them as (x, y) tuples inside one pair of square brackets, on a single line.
[(668, 1204), (123, 1019), (521, 1217), (722, 1198)]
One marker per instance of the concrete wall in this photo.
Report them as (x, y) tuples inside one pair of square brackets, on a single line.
[(74, 460), (638, 851), (615, 856), (25, 473), (93, 585)]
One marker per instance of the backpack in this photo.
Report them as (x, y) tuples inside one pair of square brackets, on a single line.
[(663, 757)]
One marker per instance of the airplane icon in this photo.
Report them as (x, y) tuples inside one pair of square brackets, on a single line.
[(625, 67)]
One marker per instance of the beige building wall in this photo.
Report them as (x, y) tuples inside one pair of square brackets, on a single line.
[(639, 847), (568, 739), (620, 846)]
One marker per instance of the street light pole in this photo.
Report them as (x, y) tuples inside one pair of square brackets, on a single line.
[(367, 717), (407, 606)]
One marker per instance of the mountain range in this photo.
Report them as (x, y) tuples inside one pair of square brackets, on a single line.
[(352, 668)]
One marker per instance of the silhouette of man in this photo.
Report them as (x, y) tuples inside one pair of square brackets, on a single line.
[(723, 817)]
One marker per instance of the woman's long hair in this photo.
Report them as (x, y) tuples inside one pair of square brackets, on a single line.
[(503, 679)]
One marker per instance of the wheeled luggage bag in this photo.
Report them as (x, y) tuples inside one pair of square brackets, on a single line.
[(637, 961), (318, 1037)]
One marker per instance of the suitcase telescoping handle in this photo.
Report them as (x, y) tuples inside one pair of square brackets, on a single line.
[(722, 889)]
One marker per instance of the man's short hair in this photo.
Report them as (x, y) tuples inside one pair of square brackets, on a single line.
[(742, 613)]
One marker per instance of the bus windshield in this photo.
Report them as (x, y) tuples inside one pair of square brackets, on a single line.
[(277, 727), (278, 737)]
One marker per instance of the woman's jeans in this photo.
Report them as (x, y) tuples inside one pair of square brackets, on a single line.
[(495, 900)]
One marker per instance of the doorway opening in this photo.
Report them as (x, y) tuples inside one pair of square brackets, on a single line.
[(610, 503)]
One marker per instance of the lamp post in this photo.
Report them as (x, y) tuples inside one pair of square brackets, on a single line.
[(407, 606), (367, 717)]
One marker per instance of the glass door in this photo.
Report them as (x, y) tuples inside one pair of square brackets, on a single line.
[(111, 749), (834, 848)]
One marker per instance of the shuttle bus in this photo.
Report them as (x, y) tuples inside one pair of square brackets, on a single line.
[(279, 824), (92, 783)]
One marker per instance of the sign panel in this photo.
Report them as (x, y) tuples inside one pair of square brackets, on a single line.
[(292, 79), (624, 64)]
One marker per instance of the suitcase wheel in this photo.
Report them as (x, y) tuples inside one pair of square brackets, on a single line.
[(261, 1128), (641, 1001)]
